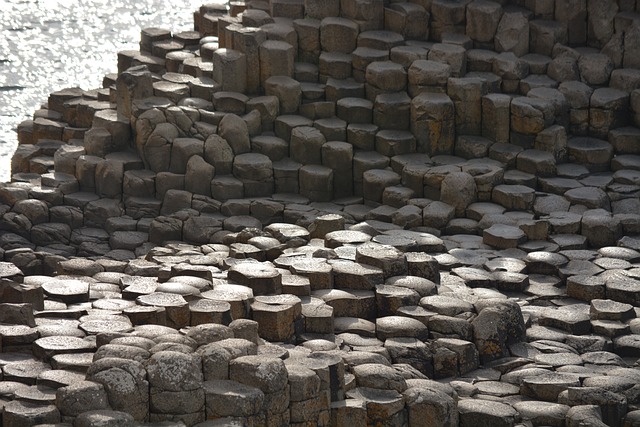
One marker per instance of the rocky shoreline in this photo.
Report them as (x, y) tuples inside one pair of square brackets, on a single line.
[(334, 213)]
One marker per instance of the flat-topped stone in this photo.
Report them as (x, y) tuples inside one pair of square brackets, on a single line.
[(287, 232), (261, 277), (575, 321), (352, 275), (517, 197), (548, 387), (389, 259), (503, 236), (69, 291), (446, 305), (26, 413), (25, 372), (379, 376), (338, 238), (400, 326), (593, 153), (476, 411)]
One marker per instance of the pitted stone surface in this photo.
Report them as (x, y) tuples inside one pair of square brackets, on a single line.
[(48, 347), (548, 387), (67, 290), (480, 412), (338, 238), (265, 373), (379, 376), (387, 258), (446, 305), (262, 278)]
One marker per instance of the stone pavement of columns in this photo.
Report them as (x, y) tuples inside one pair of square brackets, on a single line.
[(334, 213)]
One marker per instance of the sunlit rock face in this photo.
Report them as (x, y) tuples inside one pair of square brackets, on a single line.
[(333, 213), (49, 46)]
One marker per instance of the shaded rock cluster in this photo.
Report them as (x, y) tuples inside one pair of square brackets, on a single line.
[(335, 213)]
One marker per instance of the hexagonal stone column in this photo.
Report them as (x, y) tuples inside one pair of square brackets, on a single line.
[(466, 94), (256, 173), (382, 405), (277, 316), (111, 372), (513, 197), (268, 374), (503, 236), (47, 347), (474, 411), (433, 123), (262, 278), (19, 413), (408, 19), (338, 156), (276, 59), (316, 183), (175, 387), (230, 69), (224, 398), (384, 76), (376, 180), (338, 34), (595, 154), (287, 90), (390, 260), (392, 110), (306, 145), (176, 307)]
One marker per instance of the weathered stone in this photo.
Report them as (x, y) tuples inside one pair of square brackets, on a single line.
[(287, 90), (483, 18), (514, 196), (268, 374), (387, 258), (382, 405), (349, 412), (176, 306), (316, 182), (134, 83), (503, 236), (230, 398), (512, 33), (585, 288), (234, 130), (276, 59), (492, 335), (80, 397), (451, 54), (379, 376), (430, 405), (570, 319), (125, 384), (276, 316), (458, 190), (24, 413), (427, 76), (482, 412), (433, 123)]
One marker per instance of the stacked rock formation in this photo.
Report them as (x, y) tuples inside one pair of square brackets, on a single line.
[(335, 213)]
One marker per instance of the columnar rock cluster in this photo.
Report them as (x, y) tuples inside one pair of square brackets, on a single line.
[(335, 213)]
